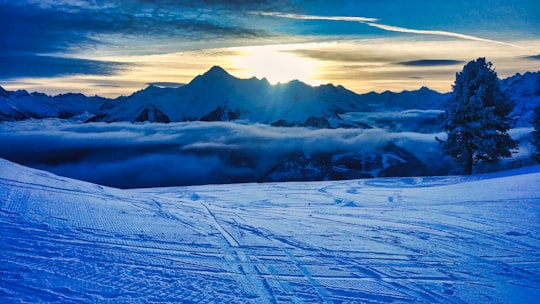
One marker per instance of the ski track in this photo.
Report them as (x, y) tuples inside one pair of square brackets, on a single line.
[(416, 240)]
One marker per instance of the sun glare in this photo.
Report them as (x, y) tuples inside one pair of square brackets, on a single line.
[(275, 63)]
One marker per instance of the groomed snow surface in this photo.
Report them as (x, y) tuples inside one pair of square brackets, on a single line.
[(399, 240)]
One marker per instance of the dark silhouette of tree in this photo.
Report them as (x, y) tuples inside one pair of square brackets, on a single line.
[(476, 118), (536, 133)]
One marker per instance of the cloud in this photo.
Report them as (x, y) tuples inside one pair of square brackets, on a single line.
[(392, 28), (48, 32), (79, 20), (417, 120), (534, 57), (342, 55), (30, 30), (147, 155), (373, 22), (165, 84), (63, 27), (431, 62), (14, 66), (314, 17)]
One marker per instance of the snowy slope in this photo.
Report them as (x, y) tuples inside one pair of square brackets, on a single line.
[(403, 240)]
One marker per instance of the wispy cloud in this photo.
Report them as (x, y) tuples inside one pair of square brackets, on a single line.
[(314, 17), (392, 28), (431, 62), (14, 66), (344, 55), (167, 84), (534, 57), (373, 22)]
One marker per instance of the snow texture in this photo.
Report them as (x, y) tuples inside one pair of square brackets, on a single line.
[(395, 240)]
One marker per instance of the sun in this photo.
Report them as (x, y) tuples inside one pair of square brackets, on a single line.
[(276, 63)]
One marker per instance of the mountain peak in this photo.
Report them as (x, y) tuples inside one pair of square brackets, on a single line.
[(216, 71), (3, 93), (215, 75)]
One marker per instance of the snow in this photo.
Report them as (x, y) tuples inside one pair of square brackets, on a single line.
[(402, 240)]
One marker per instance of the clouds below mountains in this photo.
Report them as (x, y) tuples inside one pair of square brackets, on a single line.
[(149, 155)]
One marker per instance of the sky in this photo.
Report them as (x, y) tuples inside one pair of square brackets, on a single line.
[(113, 48)]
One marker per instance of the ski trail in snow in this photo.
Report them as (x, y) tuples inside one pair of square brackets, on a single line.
[(319, 287), (245, 265), (440, 240), (223, 232)]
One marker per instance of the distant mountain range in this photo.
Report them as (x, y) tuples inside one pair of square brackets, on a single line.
[(219, 96)]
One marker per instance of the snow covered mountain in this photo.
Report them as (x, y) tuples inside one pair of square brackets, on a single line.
[(219, 96), (20, 105), (525, 91), (402, 240)]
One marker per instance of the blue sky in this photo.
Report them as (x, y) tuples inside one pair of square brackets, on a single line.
[(116, 47)]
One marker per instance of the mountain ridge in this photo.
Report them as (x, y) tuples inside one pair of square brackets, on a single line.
[(254, 100), (401, 141)]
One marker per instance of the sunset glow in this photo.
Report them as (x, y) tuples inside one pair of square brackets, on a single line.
[(114, 48), (275, 64)]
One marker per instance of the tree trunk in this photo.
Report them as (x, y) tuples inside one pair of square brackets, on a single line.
[(469, 155), (469, 163)]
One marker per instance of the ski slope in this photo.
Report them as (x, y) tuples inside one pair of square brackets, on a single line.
[(400, 240)]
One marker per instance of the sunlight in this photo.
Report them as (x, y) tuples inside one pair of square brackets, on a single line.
[(275, 63)]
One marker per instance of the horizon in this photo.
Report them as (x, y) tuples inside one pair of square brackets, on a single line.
[(111, 49), (173, 85)]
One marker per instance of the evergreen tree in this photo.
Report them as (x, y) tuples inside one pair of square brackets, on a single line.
[(476, 118), (536, 133)]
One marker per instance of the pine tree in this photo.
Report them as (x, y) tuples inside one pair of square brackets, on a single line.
[(476, 118), (536, 133)]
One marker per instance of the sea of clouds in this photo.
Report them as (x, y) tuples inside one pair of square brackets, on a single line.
[(129, 155)]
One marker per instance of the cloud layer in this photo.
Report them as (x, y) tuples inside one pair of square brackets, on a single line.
[(149, 155)]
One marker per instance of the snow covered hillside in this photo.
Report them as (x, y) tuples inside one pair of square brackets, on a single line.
[(400, 240)]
